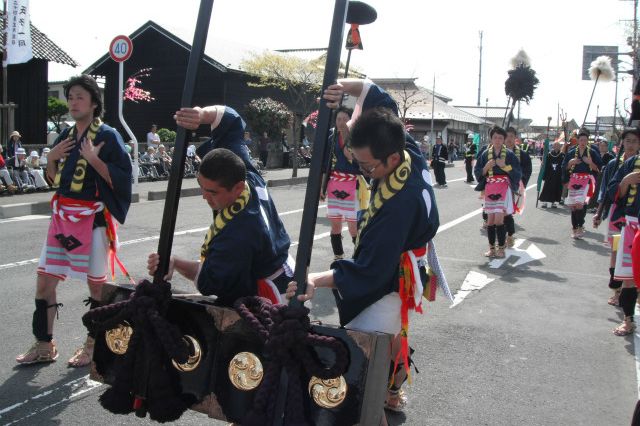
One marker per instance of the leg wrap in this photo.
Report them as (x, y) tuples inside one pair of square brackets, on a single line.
[(574, 220), (502, 234), (336, 244), (491, 234), (628, 297), (40, 322), (583, 215), (92, 304), (510, 224), (614, 284), (400, 374)]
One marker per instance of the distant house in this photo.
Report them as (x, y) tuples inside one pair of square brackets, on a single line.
[(28, 88), (219, 81), (415, 106)]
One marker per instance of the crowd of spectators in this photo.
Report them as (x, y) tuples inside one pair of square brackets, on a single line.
[(21, 173)]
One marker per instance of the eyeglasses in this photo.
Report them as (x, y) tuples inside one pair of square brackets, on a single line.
[(368, 170)]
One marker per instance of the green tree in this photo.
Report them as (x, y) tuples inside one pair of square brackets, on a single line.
[(166, 135), (56, 109), (300, 79), (267, 115)]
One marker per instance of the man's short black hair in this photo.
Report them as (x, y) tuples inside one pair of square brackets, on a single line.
[(89, 84), (380, 130), (511, 130), (346, 110), (630, 130), (583, 132), (224, 167), (497, 129)]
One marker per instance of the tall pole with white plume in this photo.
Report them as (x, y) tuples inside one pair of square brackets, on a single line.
[(600, 70)]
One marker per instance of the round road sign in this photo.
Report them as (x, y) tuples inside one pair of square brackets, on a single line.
[(121, 48)]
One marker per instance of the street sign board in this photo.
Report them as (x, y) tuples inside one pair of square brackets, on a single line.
[(590, 53), (120, 48)]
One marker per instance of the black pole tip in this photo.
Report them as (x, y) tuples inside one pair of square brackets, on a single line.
[(360, 13)]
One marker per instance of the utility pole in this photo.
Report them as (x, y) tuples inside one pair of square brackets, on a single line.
[(635, 42), (433, 107), (480, 69)]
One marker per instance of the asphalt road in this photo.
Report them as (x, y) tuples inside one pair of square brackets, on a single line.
[(532, 347)]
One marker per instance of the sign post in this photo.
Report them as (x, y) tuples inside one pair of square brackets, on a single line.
[(120, 50)]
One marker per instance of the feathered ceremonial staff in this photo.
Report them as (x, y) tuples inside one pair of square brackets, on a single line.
[(520, 84), (600, 70)]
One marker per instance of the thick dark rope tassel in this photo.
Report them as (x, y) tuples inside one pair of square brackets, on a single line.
[(145, 380), (288, 343)]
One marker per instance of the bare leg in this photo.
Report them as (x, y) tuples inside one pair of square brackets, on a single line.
[(353, 228)]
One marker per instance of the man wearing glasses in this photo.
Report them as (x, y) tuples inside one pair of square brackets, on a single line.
[(393, 233)]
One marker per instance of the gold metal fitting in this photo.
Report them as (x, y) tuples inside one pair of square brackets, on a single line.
[(245, 371), (117, 339), (328, 393), (194, 360)]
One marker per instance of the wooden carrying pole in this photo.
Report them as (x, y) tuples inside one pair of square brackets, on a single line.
[(310, 214), (179, 155)]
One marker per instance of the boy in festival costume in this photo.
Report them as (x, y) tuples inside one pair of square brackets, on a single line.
[(376, 289), (525, 165), (92, 173), (227, 131), (498, 173), (608, 208), (239, 256), (579, 165), (345, 185), (623, 190)]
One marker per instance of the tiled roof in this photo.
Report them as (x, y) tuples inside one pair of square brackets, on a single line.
[(44, 48), (419, 100)]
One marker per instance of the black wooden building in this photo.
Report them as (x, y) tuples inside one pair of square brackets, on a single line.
[(167, 55), (28, 88)]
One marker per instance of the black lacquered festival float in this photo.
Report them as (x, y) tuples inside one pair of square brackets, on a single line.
[(260, 364)]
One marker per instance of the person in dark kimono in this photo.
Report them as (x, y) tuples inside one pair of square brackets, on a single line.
[(578, 168), (227, 131), (91, 170), (605, 156), (439, 156), (623, 190), (239, 256), (394, 233), (526, 168), (609, 209), (498, 173), (552, 188), (469, 155)]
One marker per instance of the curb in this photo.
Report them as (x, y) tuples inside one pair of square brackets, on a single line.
[(192, 192), (38, 207)]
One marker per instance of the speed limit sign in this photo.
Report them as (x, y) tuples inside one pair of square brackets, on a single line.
[(121, 48)]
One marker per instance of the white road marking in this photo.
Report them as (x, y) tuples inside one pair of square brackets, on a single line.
[(474, 281), (524, 256), (87, 386), (73, 383), (23, 218)]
